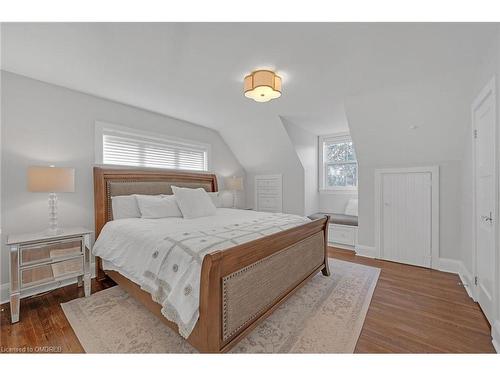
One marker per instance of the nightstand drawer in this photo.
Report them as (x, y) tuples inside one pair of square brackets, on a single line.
[(47, 251), (37, 275)]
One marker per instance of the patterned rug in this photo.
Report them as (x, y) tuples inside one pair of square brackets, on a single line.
[(324, 316)]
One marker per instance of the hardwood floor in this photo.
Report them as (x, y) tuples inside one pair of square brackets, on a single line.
[(413, 310), (43, 325), (418, 310)]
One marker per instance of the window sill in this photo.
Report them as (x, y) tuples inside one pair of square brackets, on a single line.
[(338, 191)]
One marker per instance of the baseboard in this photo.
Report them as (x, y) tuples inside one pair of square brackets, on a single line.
[(366, 251), (458, 267), (341, 246), (449, 265), (495, 335), (467, 280), (5, 288)]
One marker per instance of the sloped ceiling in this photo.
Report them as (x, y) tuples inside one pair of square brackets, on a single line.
[(420, 122), (306, 148), (194, 71)]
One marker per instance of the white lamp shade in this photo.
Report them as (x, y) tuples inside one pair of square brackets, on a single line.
[(234, 183), (51, 179)]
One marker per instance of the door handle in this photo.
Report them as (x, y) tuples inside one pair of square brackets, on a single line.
[(487, 218)]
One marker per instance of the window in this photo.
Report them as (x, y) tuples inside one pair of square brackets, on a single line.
[(338, 165), (121, 146)]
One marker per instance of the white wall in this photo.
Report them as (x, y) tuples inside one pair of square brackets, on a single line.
[(306, 147), (47, 124), (335, 202), (380, 124), (449, 205), (263, 147)]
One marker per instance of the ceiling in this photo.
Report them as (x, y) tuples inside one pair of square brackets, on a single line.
[(194, 71)]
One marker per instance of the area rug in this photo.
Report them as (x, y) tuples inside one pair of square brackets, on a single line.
[(324, 316)]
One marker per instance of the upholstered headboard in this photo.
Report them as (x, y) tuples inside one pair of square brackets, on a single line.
[(113, 182)]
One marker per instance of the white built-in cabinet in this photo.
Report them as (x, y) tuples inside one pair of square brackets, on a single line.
[(269, 193), (343, 236), (407, 215)]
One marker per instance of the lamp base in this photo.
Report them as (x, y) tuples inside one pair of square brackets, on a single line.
[(53, 229)]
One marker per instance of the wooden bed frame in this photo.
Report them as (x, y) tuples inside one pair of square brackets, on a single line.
[(271, 258)]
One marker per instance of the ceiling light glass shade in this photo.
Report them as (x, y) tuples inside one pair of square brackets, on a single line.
[(262, 86)]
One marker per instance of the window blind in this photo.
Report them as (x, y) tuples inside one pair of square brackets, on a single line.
[(143, 152)]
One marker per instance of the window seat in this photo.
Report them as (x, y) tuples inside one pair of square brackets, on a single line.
[(342, 229), (341, 219)]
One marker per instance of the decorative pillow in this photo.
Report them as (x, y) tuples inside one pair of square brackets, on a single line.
[(158, 206), (194, 202), (226, 198), (352, 207), (125, 207), (216, 199)]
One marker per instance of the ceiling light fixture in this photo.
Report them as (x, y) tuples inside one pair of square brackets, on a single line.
[(262, 86)]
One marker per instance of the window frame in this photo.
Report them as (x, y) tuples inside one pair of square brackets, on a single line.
[(103, 128), (323, 164)]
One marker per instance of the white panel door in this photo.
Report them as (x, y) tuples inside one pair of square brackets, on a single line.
[(406, 222), (484, 164)]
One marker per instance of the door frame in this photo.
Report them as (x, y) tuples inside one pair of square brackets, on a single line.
[(434, 171), (486, 91)]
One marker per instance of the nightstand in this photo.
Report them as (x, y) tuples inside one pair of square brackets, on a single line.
[(40, 259)]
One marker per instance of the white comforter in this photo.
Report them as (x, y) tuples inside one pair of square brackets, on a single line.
[(164, 256)]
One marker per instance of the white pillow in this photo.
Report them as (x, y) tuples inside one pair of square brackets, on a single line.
[(158, 206), (194, 202), (226, 198), (124, 207), (351, 207), (216, 199)]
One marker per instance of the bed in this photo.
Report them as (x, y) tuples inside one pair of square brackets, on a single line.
[(239, 285)]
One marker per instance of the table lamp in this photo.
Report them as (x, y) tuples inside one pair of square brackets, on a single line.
[(51, 180), (234, 184)]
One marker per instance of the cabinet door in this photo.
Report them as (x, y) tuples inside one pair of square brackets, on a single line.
[(341, 234), (406, 218)]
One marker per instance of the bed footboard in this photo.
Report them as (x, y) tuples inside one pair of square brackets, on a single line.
[(244, 284)]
